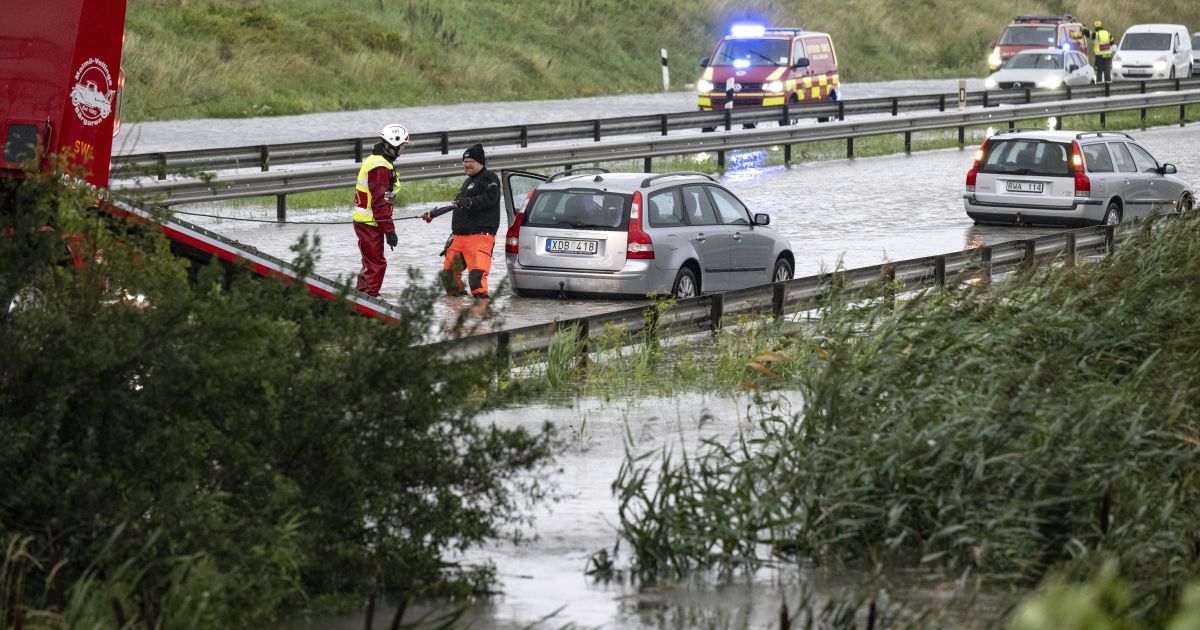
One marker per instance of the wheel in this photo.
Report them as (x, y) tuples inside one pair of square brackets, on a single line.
[(1112, 216), (783, 270), (26, 299), (1185, 203), (686, 285)]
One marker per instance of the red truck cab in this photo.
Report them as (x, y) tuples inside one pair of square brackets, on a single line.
[(60, 84), (768, 66), (1027, 32)]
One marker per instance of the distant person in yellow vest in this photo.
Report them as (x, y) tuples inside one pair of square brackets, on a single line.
[(1102, 50), (374, 193)]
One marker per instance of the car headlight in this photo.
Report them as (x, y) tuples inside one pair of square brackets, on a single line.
[(1160, 65), (989, 83), (1050, 83), (704, 86), (773, 86), (994, 58), (1118, 64)]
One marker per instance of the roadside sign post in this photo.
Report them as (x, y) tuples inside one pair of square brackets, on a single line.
[(666, 72), (962, 94)]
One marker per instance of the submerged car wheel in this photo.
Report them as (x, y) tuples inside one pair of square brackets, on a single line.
[(685, 284), (1113, 215), (26, 299), (1185, 203), (783, 270)]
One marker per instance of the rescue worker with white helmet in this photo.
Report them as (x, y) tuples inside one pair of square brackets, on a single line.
[(1102, 50), (374, 193)]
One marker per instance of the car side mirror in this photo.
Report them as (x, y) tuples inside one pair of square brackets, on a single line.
[(704, 62), (762, 218), (1072, 68), (1167, 169), (801, 63)]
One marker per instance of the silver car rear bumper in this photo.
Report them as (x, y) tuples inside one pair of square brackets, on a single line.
[(1082, 212), (636, 279)]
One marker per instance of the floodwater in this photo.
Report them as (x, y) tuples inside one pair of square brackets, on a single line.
[(855, 213)]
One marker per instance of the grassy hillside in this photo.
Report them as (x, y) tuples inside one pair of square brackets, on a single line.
[(235, 58)]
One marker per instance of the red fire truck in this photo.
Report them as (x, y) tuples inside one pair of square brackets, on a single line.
[(60, 98)]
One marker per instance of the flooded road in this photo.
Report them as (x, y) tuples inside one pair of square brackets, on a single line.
[(860, 212)]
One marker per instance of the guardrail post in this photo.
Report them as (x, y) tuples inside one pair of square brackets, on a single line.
[(895, 106), (1107, 89), (1068, 92), (721, 158), (1070, 258), (1103, 120), (1027, 261), (264, 157), (1177, 85), (524, 137), (445, 143), (841, 111), (503, 356), (1012, 124), (358, 150), (1182, 115), (778, 296), (1028, 95), (849, 148), (662, 122), (785, 116), (908, 142), (582, 340), (888, 276), (942, 103), (596, 130), (939, 271), (787, 154), (985, 99), (985, 262), (728, 119), (1110, 237), (716, 310), (962, 137), (281, 207), (161, 164), (646, 165)]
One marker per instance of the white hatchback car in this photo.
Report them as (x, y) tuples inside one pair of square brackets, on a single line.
[(1153, 51), (1038, 177), (1045, 68)]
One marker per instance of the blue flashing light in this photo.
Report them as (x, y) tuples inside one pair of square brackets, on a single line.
[(747, 30), (1066, 46), (741, 63)]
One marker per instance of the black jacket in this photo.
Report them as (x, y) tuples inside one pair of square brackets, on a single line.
[(478, 200)]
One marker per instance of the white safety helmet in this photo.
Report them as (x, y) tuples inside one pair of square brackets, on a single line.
[(395, 135)]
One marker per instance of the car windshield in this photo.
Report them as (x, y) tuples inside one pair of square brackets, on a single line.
[(1146, 41), (752, 52), (1026, 61), (577, 208), (1041, 35), (1027, 157)]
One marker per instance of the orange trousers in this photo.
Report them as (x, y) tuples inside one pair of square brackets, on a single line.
[(474, 253)]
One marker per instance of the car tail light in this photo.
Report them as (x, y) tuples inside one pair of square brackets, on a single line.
[(1083, 185), (640, 245), (974, 172), (512, 238)]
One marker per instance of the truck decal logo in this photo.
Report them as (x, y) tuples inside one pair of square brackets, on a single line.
[(93, 92)]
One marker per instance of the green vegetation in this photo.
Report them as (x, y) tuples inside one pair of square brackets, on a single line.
[(1049, 425), (197, 448), (228, 58)]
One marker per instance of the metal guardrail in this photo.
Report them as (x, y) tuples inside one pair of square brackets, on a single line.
[(266, 155), (529, 344), (280, 184)]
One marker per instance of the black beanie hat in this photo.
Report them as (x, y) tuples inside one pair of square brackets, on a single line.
[(475, 152)]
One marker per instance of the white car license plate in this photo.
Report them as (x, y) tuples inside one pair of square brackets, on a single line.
[(571, 246), (1025, 187)]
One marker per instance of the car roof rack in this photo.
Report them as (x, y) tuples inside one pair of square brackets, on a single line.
[(785, 29), (1016, 130), (1043, 19), (1102, 134), (646, 182), (577, 171)]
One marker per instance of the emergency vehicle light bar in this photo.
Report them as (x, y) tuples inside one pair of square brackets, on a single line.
[(747, 30), (1042, 19)]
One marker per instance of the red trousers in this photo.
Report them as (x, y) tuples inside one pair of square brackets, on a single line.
[(370, 245), (473, 251)]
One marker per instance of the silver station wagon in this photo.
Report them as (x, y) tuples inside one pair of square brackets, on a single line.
[(632, 234), (1038, 177)]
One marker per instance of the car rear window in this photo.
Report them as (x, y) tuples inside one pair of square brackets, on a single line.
[(1146, 41), (1097, 159), (577, 208), (1027, 157), (1029, 35)]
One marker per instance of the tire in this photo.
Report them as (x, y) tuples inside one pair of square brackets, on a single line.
[(1185, 203), (25, 299), (1112, 216), (783, 270), (686, 285)]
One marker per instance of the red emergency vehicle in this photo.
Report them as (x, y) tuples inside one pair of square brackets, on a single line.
[(1037, 31), (763, 66), (60, 97)]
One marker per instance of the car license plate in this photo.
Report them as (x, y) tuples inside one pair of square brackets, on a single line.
[(571, 246), (1025, 187)]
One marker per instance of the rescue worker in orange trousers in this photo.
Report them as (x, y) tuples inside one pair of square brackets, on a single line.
[(474, 222), (374, 193)]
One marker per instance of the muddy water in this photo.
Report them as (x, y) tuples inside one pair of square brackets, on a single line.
[(852, 212)]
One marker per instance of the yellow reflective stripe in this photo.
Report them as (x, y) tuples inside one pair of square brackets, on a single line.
[(776, 100), (363, 215), (835, 79), (704, 101), (807, 82), (816, 92), (791, 84), (708, 74), (823, 80), (775, 75), (800, 95)]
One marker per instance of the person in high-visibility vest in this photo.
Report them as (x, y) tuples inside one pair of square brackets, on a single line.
[(1102, 50), (374, 193)]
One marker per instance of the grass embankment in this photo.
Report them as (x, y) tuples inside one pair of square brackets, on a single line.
[(227, 58), (1047, 426)]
